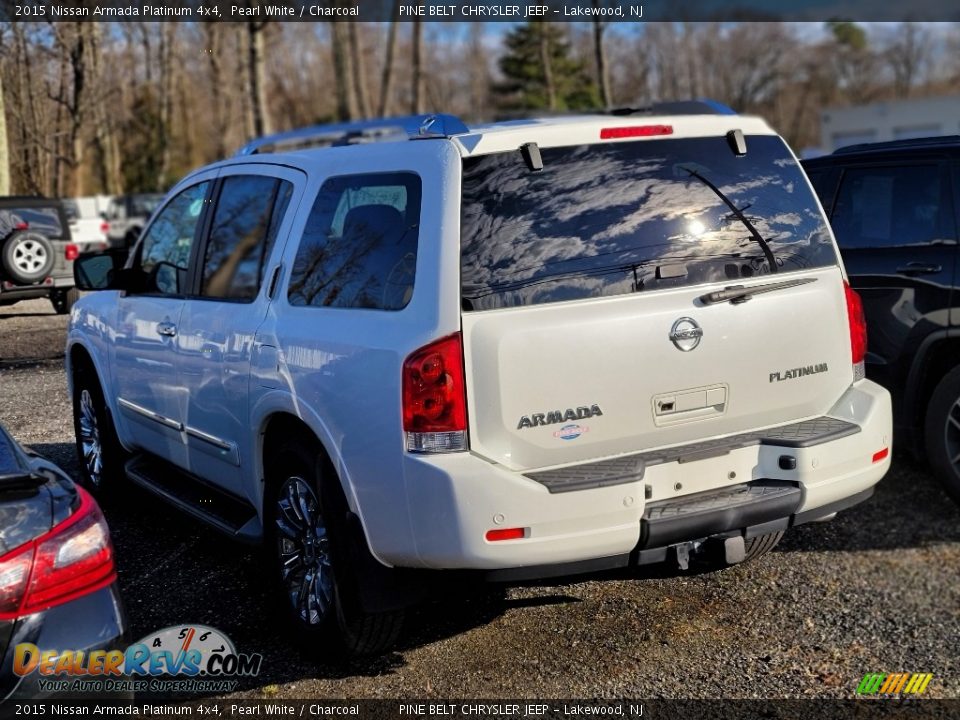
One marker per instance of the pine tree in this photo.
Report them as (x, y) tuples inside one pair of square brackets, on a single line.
[(541, 74)]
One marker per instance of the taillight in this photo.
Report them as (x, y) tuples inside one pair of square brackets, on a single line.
[(71, 252), (434, 398), (22, 226), (71, 560), (105, 227), (858, 330), (616, 133)]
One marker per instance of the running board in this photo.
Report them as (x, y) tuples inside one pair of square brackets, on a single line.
[(221, 510)]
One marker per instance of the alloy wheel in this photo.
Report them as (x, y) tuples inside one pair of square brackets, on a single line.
[(90, 439), (303, 549), (29, 256), (952, 435)]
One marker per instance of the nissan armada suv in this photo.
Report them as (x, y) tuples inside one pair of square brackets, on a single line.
[(517, 350)]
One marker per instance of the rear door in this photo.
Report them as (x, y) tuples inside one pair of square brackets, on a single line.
[(251, 214), (587, 327), (895, 228)]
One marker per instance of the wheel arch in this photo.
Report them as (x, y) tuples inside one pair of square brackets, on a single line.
[(937, 355), (282, 423)]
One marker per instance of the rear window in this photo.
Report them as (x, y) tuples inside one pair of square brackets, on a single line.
[(601, 220), (44, 220)]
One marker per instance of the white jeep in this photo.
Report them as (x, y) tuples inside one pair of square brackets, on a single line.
[(520, 350)]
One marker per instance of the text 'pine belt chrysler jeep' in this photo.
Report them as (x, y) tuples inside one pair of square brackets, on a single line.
[(519, 350)]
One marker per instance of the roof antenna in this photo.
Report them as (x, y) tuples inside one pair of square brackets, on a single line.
[(531, 156)]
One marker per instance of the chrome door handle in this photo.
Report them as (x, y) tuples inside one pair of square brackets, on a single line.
[(167, 329)]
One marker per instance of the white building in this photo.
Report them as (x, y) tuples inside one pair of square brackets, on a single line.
[(894, 120)]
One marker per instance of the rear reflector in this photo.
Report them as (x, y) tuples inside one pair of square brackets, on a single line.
[(615, 133), (881, 455), (22, 226), (71, 252), (506, 534)]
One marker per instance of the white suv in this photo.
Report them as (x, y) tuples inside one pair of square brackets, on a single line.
[(525, 349)]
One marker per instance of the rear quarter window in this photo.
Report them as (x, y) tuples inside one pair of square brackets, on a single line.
[(359, 246), (625, 217)]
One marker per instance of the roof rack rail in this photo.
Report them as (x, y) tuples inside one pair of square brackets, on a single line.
[(700, 106), (361, 131), (937, 141)]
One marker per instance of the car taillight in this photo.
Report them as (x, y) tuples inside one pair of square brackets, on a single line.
[(633, 131), (71, 252), (71, 560), (434, 398), (105, 227), (858, 330)]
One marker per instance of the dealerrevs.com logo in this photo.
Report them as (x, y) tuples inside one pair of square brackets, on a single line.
[(185, 658), (900, 684)]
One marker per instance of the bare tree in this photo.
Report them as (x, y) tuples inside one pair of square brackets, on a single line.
[(386, 78), (256, 75), (600, 58), (546, 59), (418, 96), (360, 87), (907, 53), (105, 138), (343, 69)]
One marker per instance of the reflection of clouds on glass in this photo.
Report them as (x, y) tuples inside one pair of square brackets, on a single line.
[(598, 219)]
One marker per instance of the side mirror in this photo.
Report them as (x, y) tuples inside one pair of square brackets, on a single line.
[(101, 270)]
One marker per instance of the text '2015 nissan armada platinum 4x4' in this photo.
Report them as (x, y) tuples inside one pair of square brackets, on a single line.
[(526, 349)]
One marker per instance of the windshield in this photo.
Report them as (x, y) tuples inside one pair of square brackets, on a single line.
[(602, 220)]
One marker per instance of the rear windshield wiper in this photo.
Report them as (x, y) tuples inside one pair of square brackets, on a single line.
[(754, 233), (741, 294)]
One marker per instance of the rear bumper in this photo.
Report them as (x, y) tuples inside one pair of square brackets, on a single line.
[(43, 289), (92, 622), (454, 500)]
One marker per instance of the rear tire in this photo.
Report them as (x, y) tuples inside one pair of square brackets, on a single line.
[(99, 450), (942, 433), (306, 542), (63, 300)]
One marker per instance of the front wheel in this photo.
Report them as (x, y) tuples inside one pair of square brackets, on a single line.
[(98, 449), (942, 431), (306, 537)]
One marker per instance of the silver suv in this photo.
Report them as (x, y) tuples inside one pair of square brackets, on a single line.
[(519, 350)]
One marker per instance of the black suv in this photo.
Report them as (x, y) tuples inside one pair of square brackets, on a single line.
[(36, 252), (894, 209)]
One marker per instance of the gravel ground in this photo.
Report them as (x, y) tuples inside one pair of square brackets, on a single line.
[(875, 590)]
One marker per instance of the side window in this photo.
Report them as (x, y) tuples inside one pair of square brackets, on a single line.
[(889, 206), (245, 222), (165, 248), (359, 247)]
